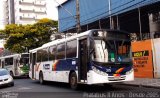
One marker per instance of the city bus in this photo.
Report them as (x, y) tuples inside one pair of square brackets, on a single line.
[(92, 57), (16, 64)]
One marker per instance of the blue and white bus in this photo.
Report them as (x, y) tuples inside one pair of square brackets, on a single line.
[(92, 57)]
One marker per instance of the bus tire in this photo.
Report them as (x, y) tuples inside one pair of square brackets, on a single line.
[(73, 81), (41, 79), (11, 73)]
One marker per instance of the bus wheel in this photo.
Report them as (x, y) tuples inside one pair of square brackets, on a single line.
[(11, 73), (73, 80), (41, 78)]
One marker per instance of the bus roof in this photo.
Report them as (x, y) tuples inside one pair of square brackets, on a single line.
[(58, 41), (13, 55), (8, 56)]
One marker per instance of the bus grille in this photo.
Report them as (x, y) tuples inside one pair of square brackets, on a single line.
[(116, 78)]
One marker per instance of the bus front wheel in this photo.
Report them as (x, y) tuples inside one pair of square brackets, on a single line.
[(41, 80), (73, 80)]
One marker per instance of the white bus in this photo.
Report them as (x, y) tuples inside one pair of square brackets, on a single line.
[(16, 64), (91, 57)]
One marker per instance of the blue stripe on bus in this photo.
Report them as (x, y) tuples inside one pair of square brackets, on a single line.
[(66, 64), (113, 69)]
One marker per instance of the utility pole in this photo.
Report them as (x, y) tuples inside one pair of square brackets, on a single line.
[(140, 25), (78, 25), (110, 17)]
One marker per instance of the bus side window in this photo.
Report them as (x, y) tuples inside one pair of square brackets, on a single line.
[(61, 51), (71, 49), (39, 56), (52, 52), (45, 54), (9, 61)]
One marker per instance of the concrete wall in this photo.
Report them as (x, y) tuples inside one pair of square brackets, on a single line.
[(146, 58)]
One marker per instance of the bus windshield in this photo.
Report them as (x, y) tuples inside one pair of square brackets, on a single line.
[(24, 61), (111, 51)]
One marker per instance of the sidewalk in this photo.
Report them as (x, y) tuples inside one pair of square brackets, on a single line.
[(145, 82)]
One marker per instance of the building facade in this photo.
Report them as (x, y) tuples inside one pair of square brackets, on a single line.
[(4, 17), (127, 15), (22, 11)]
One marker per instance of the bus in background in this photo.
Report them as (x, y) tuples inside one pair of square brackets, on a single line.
[(92, 57), (16, 64)]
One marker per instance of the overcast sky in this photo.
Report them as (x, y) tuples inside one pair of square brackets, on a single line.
[(52, 11)]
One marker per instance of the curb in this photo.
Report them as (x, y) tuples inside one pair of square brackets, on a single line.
[(139, 85)]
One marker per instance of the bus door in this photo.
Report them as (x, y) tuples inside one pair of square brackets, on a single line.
[(82, 69), (0, 64), (33, 60), (15, 67), (3, 63)]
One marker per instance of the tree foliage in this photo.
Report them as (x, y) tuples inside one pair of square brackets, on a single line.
[(21, 38)]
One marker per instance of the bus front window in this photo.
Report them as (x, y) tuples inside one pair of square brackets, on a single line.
[(111, 51), (24, 61), (118, 50), (100, 53)]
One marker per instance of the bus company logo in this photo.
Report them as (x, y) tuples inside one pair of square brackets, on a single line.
[(46, 66)]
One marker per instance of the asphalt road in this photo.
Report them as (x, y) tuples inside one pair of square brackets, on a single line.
[(27, 88)]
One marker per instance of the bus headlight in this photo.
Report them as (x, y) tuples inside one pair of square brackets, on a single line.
[(129, 72), (98, 71)]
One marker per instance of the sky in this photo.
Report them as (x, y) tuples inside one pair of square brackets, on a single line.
[(52, 11)]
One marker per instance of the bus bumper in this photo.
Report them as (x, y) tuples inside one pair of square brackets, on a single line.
[(95, 78)]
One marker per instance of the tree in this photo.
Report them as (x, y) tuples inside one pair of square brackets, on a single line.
[(43, 30), (21, 38)]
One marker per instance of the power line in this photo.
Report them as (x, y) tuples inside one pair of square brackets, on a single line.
[(108, 10), (103, 8), (130, 20), (66, 9), (129, 7)]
